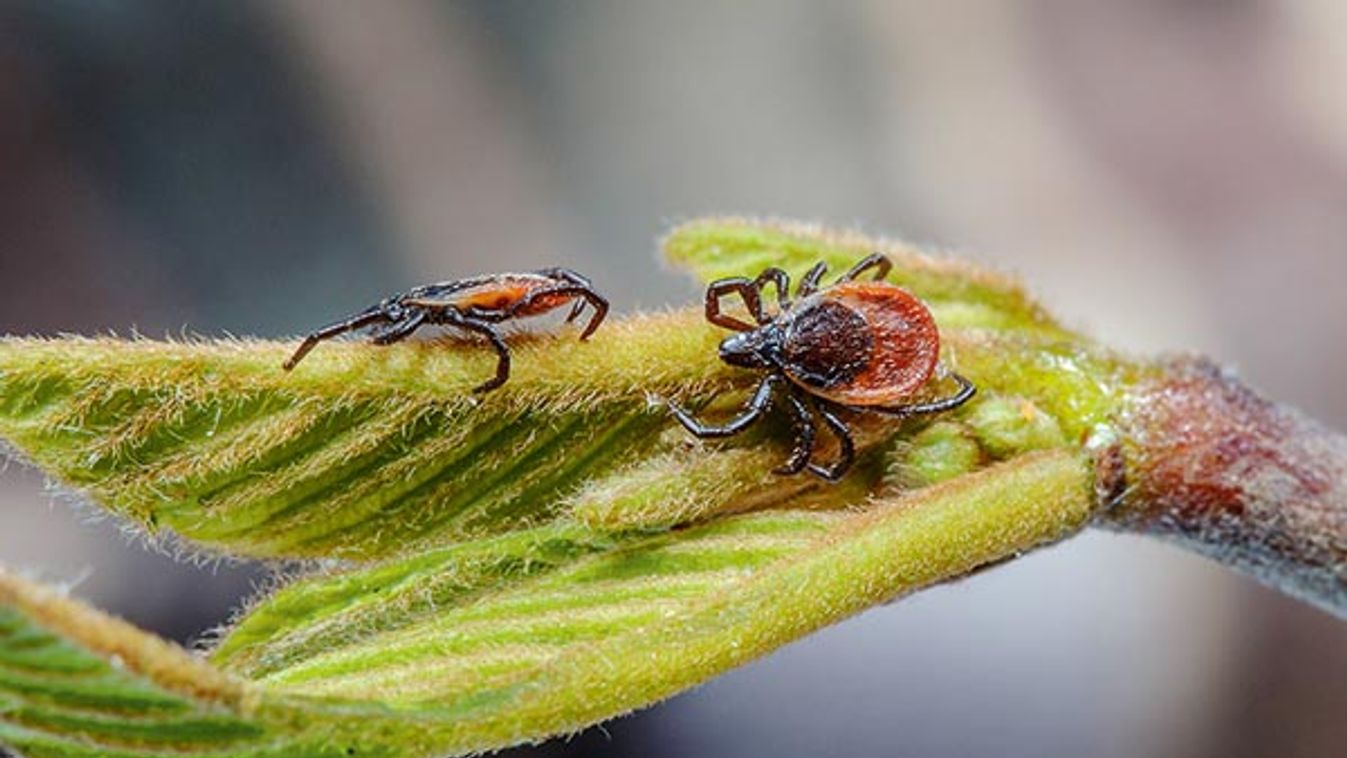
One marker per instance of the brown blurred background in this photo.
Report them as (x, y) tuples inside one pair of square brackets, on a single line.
[(1167, 175)]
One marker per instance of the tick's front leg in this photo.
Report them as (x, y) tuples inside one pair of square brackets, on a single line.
[(757, 405), (370, 315), (400, 330)]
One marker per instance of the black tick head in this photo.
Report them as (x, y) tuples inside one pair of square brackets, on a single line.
[(759, 348)]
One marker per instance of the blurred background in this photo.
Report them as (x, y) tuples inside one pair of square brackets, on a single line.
[(1168, 175)]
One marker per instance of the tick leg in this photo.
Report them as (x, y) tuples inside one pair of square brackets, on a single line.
[(600, 306), (492, 336), (804, 437), (358, 321), (966, 391), (747, 290), (877, 261), (399, 330), (809, 284), (847, 453), (584, 294), (781, 279), (576, 309), (760, 402)]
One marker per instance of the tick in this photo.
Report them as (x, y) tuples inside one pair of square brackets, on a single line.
[(474, 305), (863, 346)]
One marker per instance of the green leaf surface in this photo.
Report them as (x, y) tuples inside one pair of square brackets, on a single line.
[(361, 452), (961, 295)]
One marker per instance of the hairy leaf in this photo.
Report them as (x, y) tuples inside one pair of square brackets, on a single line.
[(361, 452), (74, 683), (517, 637)]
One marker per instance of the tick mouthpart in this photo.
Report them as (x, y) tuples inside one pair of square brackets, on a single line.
[(747, 349)]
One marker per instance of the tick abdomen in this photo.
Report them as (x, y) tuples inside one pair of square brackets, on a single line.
[(900, 342), (482, 293)]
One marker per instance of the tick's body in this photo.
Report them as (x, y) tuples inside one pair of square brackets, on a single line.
[(861, 346), (530, 294), (474, 305)]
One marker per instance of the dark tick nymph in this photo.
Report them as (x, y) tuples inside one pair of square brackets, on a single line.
[(474, 305), (864, 346)]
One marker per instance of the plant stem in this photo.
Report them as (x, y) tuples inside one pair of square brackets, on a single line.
[(1258, 486)]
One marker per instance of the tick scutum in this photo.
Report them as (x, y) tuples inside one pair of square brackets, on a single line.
[(827, 345)]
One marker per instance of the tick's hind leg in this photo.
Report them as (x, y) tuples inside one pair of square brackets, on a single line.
[(877, 261), (965, 392), (360, 320), (847, 447), (757, 405), (804, 437)]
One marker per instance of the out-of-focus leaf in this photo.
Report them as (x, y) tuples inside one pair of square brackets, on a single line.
[(509, 639), (76, 683)]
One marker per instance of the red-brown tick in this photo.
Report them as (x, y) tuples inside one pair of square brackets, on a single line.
[(473, 305), (861, 346)]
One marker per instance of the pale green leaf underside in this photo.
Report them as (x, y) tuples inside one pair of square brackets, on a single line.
[(541, 632), (60, 699)]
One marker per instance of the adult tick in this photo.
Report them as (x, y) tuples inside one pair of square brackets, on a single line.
[(864, 346), (473, 305)]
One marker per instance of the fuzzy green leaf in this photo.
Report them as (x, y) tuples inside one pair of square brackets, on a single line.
[(365, 454), (76, 683), (362, 452), (541, 632)]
